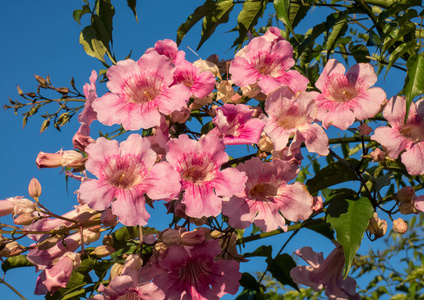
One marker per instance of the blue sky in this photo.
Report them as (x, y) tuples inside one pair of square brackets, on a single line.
[(41, 37)]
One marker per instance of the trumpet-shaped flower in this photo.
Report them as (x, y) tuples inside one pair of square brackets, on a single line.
[(268, 199), (199, 163), (88, 115), (325, 273), (267, 62), (169, 49), (406, 140), (195, 273), (200, 84), (292, 115), (140, 92), (234, 123), (345, 98), (125, 173)]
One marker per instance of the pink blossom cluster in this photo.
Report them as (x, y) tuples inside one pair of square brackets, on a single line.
[(166, 162)]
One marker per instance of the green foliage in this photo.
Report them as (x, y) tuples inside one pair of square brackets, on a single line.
[(17, 261), (349, 218), (332, 174)]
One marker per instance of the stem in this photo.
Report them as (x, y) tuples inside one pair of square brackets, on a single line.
[(267, 234), (12, 288)]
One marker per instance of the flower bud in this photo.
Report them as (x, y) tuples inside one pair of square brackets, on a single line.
[(11, 249), (24, 219), (364, 129), (108, 240), (70, 158), (103, 251), (34, 188), (116, 270), (317, 204), (171, 237), (192, 238), (400, 226), (378, 155), (265, 144), (6, 208), (405, 194), (377, 226), (180, 116)]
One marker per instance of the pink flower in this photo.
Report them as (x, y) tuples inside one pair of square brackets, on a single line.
[(267, 62), (199, 164), (128, 286), (82, 137), (200, 84), (169, 49), (56, 277), (403, 139), (140, 92), (194, 273), (325, 274), (345, 98), (268, 199), (88, 115), (125, 173), (234, 123), (292, 115)]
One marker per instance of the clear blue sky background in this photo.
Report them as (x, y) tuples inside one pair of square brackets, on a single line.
[(41, 37)]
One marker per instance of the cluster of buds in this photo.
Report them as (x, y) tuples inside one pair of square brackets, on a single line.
[(408, 201)]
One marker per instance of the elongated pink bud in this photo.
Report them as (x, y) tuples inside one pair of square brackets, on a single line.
[(34, 188)]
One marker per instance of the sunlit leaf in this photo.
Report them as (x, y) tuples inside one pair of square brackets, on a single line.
[(349, 218), (80, 12), (196, 16), (219, 15), (92, 46), (17, 261), (282, 10), (414, 81), (337, 22), (248, 17)]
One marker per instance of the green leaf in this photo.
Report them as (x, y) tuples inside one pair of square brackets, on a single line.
[(80, 12), (297, 11), (282, 9), (360, 53), (198, 14), (337, 22), (252, 10), (17, 261), (414, 82), (265, 251), (248, 281), (311, 35), (349, 218), (219, 15), (132, 4), (280, 269), (398, 52), (92, 46), (332, 174), (207, 127), (106, 11), (122, 235), (320, 226)]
